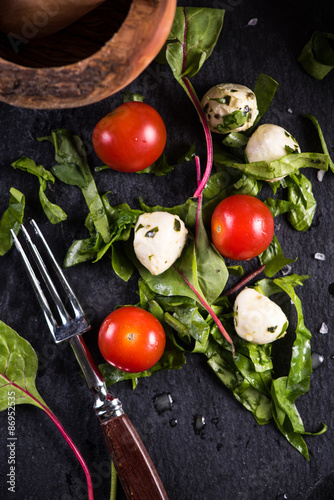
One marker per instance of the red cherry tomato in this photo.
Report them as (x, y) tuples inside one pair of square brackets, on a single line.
[(131, 339), (242, 227), (130, 138)]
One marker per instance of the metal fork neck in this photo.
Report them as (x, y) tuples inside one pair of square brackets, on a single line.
[(106, 405)]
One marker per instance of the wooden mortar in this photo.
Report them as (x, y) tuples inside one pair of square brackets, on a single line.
[(93, 58)]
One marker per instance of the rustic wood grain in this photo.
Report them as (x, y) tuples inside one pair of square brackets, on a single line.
[(113, 66)]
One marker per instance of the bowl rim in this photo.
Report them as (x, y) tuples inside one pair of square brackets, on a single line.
[(128, 52)]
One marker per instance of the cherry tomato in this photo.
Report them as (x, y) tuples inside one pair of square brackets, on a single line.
[(242, 227), (131, 339), (130, 138)]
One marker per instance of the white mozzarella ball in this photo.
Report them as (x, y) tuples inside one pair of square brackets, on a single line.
[(270, 142), (222, 100), (159, 240), (257, 318)]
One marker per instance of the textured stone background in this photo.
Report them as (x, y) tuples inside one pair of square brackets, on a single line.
[(233, 458)]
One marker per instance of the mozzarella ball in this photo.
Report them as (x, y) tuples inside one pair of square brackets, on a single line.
[(270, 142), (159, 240), (222, 100), (257, 318)]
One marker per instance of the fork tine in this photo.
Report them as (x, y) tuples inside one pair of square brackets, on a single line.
[(52, 324), (64, 316), (69, 292)]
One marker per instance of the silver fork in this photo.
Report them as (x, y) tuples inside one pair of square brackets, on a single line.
[(132, 462)]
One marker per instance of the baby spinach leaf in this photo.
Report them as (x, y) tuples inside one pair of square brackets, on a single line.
[(282, 416), (122, 219), (172, 359), (162, 167), (80, 251), (130, 96), (28, 165), (12, 218), (287, 165), (69, 173), (301, 366), (53, 212), (278, 207), (233, 120), (187, 211), (235, 140), (300, 194), (317, 57), (251, 398), (121, 264), (273, 258), (322, 140), (264, 90), (70, 151)]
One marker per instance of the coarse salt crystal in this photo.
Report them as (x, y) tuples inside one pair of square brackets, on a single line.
[(253, 22), (319, 256), (323, 328), (286, 270), (290, 110), (320, 175)]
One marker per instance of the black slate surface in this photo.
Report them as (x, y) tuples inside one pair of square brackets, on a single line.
[(232, 458)]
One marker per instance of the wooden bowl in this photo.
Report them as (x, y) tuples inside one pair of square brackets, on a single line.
[(90, 60)]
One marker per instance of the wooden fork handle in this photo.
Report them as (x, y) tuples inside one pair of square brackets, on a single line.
[(132, 462)]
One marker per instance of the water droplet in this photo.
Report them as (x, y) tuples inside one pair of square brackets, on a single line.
[(198, 423), (173, 422), (323, 328), (253, 22), (283, 496), (316, 360), (331, 356), (163, 402), (319, 256)]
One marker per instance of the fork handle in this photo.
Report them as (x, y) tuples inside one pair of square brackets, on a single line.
[(132, 462)]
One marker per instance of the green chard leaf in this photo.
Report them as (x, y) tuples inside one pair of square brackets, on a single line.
[(73, 169), (18, 369), (192, 38), (12, 218), (53, 212), (211, 269), (317, 57)]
